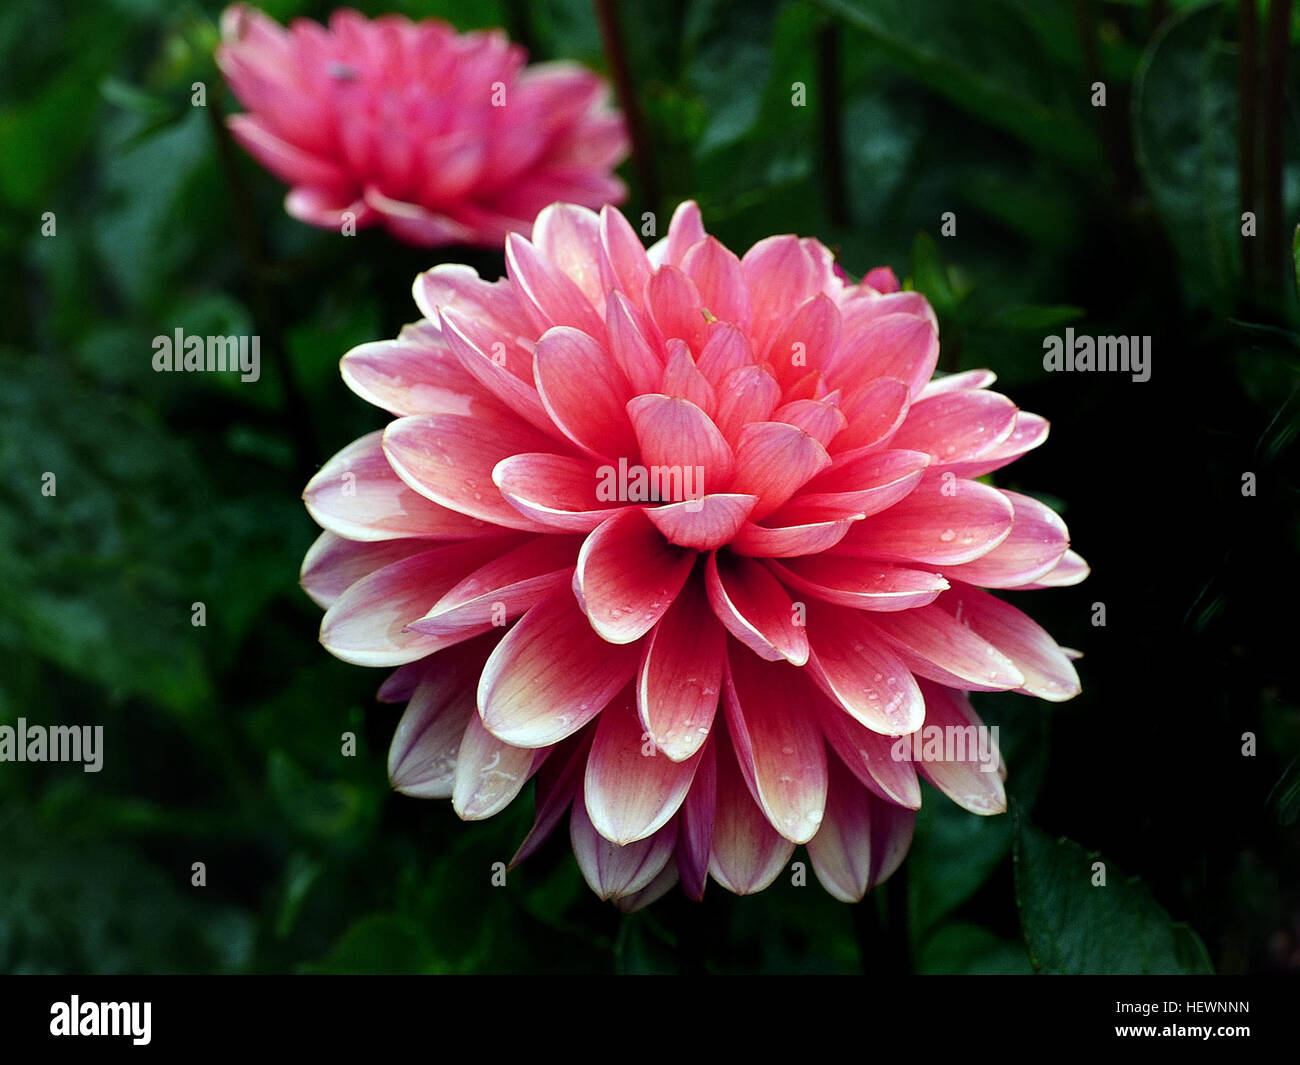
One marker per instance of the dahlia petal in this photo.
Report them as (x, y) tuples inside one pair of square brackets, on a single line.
[(860, 842), (861, 309), (971, 783), (1030, 432), (746, 852), (1070, 570), (631, 794), (685, 230), (875, 411), (491, 305), (1048, 672), (754, 607), (748, 395), (935, 645), (957, 426), (941, 522), (789, 541), (548, 296), (652, 892), (773, 461), (780, 749), (489, 773), (1037, 543), (400, 684), (780, 274), (568, 235), (612, 871), (367, 625), (868, 755), (726, 350), (357, 495), (676, 433), (422, 756), (682, 380), (326, 208), (681, 676), (488, 361), (550, 675), (716, 273), (629, 575), (903, 346), (559, 491), (857, 669), (808, 339), (630, 345), (882, 279), (859, 584), (868, 484), (811, 385), (677, 307), (446, 168), (623, 263), (416, 224), (410, 378), (819, 419), (286, 161), (504, 588), (332, 564), (695, 825), (952, 382), (706, 523), (449, 459), (556, 783), (584, 392)]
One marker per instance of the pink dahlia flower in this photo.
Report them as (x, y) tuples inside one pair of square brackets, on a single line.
[(443, 138), (691, 540)]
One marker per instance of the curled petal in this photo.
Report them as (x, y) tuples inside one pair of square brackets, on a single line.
[(941, 522), (853, 665), (612, 871), (628, 576), (746, 852), (755, 609), (368, 625), (862, 841), (966, 760), (357, 495), (550, 675), (681, 675), (1048, 672), (779, 747), (449, 459), (631, 789)]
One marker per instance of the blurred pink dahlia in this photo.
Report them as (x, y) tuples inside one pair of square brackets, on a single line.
[(690, 539), (443, 138)]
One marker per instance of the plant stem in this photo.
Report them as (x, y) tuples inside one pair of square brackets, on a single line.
[(611, 37), (1279, 41), (1247, 78)]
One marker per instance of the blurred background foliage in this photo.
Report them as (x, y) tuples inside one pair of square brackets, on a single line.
[(223, 742)]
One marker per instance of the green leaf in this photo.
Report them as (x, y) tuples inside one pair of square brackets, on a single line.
[(1295, 259), (961, 948), (381, 943), (1072, 926), (1034, 319), (1185, 123), (929, 276), (988, 59), (953, 853)]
